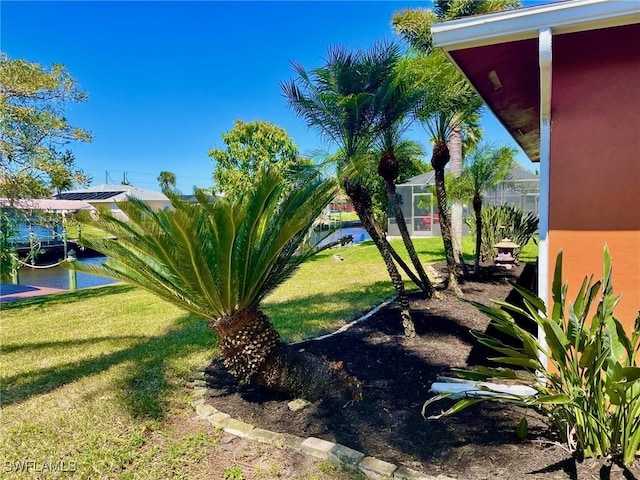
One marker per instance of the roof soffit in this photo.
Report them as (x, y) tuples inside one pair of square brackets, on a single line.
[(498, 54), (525, 23)]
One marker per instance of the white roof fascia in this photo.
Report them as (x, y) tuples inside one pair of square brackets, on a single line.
[(525, 23)]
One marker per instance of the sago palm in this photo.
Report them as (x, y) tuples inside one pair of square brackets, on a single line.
[(218, 259), (339, 99)]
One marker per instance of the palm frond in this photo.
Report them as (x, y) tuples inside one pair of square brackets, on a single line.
[(215, 256)]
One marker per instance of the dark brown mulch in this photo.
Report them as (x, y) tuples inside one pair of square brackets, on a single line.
[(478, 443)]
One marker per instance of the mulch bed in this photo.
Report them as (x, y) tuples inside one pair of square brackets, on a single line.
[(478, 443)]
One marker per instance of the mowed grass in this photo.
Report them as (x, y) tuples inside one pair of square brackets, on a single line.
[(96, 381)]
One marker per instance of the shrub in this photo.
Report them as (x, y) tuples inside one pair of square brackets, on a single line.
[(500, 222), (590, 385)]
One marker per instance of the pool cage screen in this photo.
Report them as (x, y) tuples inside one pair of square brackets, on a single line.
[(420, 208)]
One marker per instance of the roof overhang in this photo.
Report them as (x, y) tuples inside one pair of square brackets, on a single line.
[(525, 23), (506, 56)]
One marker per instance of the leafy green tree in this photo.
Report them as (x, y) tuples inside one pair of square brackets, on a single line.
[(8, 256), (64, 175), (167, 180), (33, 128), (218, 259), (486, 167), (340, 100), (251, 148)]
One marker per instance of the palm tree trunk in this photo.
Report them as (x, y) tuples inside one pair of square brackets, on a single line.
[(477, 208), (439, 160), (406, 238), (362, 204), (455, 153), (455, 168), (246, 341), (251, 350), (405, 268)]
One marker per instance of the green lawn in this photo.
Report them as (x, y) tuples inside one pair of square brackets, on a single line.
[(98, 377), (344, 216)]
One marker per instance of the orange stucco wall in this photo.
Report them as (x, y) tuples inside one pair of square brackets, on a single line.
[(594, 189)]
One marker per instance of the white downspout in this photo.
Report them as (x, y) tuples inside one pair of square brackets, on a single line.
[(545, 61)]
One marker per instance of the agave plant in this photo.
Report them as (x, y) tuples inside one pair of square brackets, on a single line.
[(586, 378), (218, 259)]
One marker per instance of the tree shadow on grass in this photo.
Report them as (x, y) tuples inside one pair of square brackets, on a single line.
[(67, 297), (25, 347), (314, 310), (144, 388)]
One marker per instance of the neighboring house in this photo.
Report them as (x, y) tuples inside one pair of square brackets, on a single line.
[(420, 209), (564, 79), (341, 203), (108, 196)]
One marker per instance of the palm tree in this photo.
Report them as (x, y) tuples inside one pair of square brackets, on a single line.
[(487, 167), (398, 100), (448, 103), (218, 259), (339, 99), (414, 25), (167, 180)]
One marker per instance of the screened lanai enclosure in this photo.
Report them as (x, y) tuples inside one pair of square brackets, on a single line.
[(519, 189), (419, 205)]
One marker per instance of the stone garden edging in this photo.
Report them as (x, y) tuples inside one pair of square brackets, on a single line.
[(312, 446)]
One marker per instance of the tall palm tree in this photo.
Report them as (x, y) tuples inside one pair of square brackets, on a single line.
[(414, 25), (339, 99), (218, 259), (167, 180), (448, 103), (398, 101), (488, 165)]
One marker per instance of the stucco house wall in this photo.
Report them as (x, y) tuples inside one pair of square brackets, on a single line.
[(594, 180), (564, 80)]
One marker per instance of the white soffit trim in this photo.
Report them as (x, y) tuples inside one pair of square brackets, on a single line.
[(525, 23)]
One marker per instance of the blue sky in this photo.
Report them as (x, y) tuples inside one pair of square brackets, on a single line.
[(166, 79)]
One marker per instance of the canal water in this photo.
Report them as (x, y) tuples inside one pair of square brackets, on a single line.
[(359, 234), (58, 277)]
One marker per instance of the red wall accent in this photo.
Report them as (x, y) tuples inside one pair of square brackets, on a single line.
[(595, 158)]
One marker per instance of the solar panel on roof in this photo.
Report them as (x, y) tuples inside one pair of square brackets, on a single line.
[(87, 196)]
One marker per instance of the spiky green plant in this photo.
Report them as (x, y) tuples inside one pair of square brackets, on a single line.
[(218, 259), (586, 377), (503, 221)]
